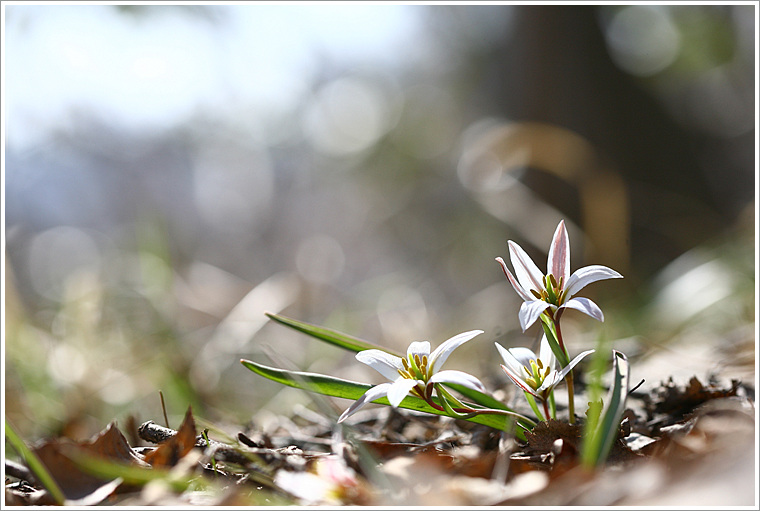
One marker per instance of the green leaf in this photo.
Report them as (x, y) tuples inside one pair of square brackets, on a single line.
[(328, 335), (478, 397), (350, 343), (551, 336), (602, 433), (337, 387)]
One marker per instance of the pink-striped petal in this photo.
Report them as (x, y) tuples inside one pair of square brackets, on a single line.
[(558, 263), (516, 358), (525, 295), (517, 380), (526, 271)]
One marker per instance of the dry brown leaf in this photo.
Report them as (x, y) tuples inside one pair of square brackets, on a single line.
[(75, 483), (170, 452)]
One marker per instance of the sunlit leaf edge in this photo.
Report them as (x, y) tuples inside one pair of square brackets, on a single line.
[(338, 387), (328, 335), (351, 343), (608, 425)]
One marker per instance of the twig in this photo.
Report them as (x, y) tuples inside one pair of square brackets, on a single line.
[(163, 408), (261, 456), (19, 471)]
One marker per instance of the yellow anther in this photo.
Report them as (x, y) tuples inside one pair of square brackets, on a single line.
[(536, 294)]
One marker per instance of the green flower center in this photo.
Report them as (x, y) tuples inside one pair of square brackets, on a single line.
[(536, 372), (553, 291)]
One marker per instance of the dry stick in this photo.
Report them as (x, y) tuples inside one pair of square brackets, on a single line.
[(261, 462), (163, 408), (19, 471), (152, 432)]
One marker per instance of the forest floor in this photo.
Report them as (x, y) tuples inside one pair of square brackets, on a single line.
[(683, 441)]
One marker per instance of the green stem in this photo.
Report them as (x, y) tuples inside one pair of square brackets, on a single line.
[(570, 394), (533, 405)]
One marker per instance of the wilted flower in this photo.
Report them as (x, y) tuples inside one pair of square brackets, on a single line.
[(536, 375), (554, 290), (416, 373)]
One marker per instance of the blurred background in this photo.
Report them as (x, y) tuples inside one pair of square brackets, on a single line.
[(173, 172)]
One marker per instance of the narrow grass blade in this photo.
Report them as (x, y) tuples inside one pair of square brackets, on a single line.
[(337, 387), (603, 431), (35, 465), (328, 335)]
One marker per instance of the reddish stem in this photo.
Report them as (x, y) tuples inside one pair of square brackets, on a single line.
[(569, 377)]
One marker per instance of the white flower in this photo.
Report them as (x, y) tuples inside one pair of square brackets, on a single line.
[(331, 482), (536, 375), (554, 290), (415, 373)]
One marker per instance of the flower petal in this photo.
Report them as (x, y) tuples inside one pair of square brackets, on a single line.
[(526, 271), (399, 390), (516, 358), (373, 393), (530, 311), (586, 306), (546, 354), (421, 348), (551, 381), (573, 363), (525, 295), (517, 380), (442, 352), (586, 275), (559, 254), (458, 377), (382, 362)]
